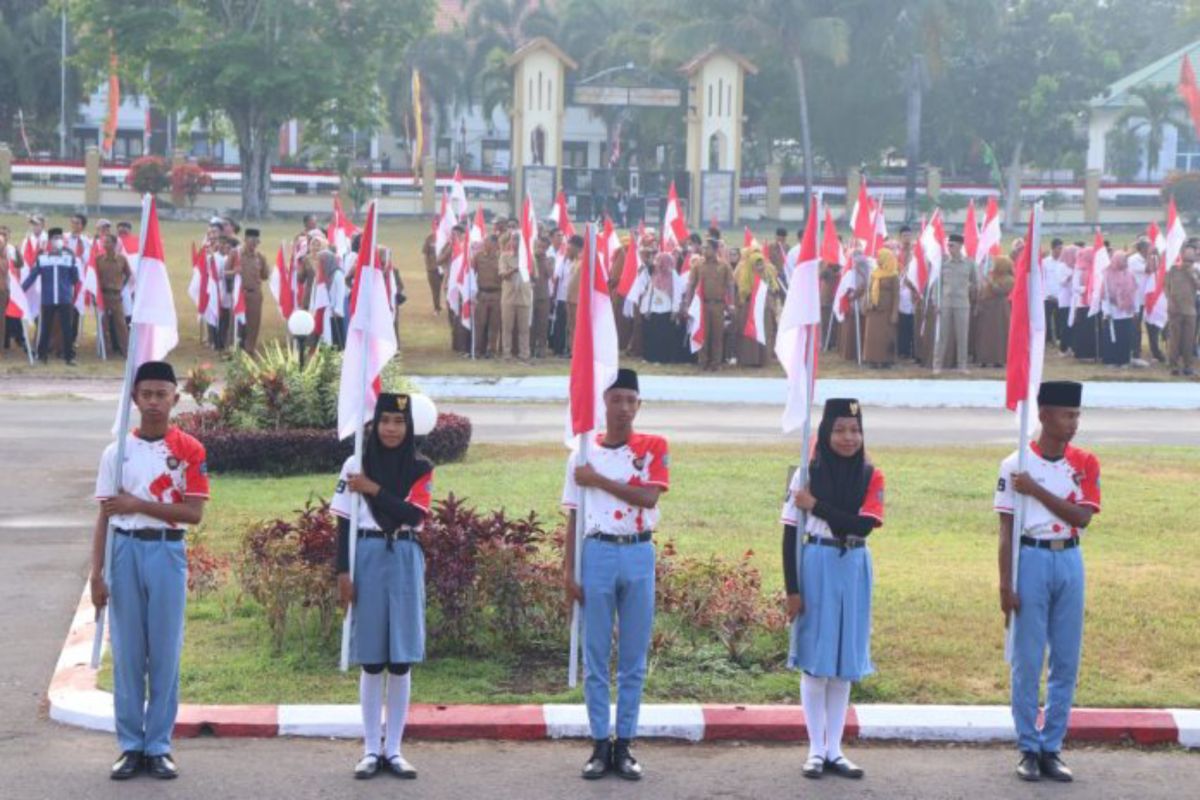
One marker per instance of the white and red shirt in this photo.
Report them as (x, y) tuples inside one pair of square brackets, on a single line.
[(642, 460), (872, 506), (165, 470), (1074, 477), (419, 495)]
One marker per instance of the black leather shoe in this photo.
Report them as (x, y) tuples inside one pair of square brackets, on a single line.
[(601, 761), (1028, 769), (1054, 769), (844, 767), (623, 762), (162, 767), (398, 766), (367, 767), (128, 765), (814, 767)]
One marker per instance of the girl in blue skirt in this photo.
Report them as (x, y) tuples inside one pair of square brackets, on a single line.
[(829, 596), (388, 590)]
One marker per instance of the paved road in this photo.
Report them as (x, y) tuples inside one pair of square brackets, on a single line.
[(44, 511)]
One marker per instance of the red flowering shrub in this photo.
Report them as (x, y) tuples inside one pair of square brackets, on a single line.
[(187, 180), (148, 174)]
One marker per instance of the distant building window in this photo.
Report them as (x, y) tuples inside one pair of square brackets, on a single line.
[(1187, 151), (575, 155), (494, 156)]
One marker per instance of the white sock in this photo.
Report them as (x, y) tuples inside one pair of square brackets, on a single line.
[(837, 703), (399, 689), (370, 697), (812, 696)]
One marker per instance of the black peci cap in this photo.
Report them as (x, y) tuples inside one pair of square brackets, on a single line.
[(842, 407), (1066, 394), (956, 238), (626, 379), (391, 403), (155, 371)]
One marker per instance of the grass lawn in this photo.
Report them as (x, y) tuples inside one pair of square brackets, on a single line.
[(424, 337), (937, 627)]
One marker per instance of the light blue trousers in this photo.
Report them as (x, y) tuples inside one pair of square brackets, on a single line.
[(148, 590), (1050, 586), (618, 579)]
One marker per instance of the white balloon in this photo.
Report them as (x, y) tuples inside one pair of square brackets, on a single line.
[(424, 414), (301, 323)]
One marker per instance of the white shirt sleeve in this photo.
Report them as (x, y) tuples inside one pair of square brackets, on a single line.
[(790, 514), (570, 493), (342, 496), (106, 476), (1005, 499)]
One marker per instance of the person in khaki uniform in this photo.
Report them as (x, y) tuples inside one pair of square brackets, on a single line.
[(956, 292), (882, 311), (487, 308), (715, 280), (112, 273), (254, 269), (574, 269), (460, 341), (544, 274), (434, 273), (1181, 286), (516, 302)]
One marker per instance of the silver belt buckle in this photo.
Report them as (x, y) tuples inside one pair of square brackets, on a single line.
[(1058, 544)]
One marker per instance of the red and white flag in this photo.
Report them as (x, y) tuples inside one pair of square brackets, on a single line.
[(458, 194), (210, 292), (799, 333), (478, 230), (463, 287), (609, 245), (1156, 302), (197, 279), (1189, 91), (675, 231), (629, 272), (917, 269), (933, 246), (446, 220), (1027, 324), (832, 251), (1094, 292), (282, 288), (1176, 237), (155, 329), (239, 300), (970, 234), (862, 221), (526, 264), (18, 302), (594, 349), (370, 336), (880, 220), (341, 229), (561, 216), (989, 234), (748, 239), (87, 291), (756, 313), (697, 329)]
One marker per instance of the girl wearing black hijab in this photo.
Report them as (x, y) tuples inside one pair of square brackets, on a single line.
[(829, 599), (388, 590)]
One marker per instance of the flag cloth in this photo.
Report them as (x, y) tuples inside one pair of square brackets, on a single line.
[(609, 246), (748, 239), (1189, 91), (32, 246), (1176, 237), (341, 229), (756, 317), (210, 293), (155, 330), (918, 266), (458, 194), (281, 285), (1027, 324), (629, 272), (970, 235), (478, 229), (799, 333), (989, 234), (697, 329), (1095, 284), (594, 348), (418, 151), (446, 220), (831, 246), (561, 216), (861, 222), (370, 337), (114, 106), (675, 231), (18, 303), (526, 264), (197, 278), (933, 246)]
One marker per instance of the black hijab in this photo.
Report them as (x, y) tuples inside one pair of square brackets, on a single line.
[(395, 469), (838, 480)]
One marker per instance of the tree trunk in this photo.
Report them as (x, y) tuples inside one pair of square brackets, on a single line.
[(912, 147), (805, 133), (256, 150), (1012, 199)]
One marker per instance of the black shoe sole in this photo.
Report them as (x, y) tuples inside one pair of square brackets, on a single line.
[(628, 776), (163, 776), (592, 776), (122, 776), (365, 776), (812, 776), (1030, 778)]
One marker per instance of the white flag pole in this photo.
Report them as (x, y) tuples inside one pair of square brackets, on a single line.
[(125, 406), (805, 446)]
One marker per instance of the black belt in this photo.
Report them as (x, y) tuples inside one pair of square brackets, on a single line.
[(849, 543), (622, 538), (153, 534), (1049, 544), (489, 291), (393, 536)]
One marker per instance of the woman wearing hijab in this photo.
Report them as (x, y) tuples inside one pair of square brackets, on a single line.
[(1120, 292), (1062, 278), (992, 312), (660, 331), (883, 311), (1084, 328), (750, 352), (850, 338), (388, 588), (829, 598)]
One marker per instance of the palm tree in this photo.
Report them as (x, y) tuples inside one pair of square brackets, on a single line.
[(444, 84), (791, 30), (1158, 106), (494, 30)]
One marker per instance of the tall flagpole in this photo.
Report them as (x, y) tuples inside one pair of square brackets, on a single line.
[(805, 446), (125, 407)]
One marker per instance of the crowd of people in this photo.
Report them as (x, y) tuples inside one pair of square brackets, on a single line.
[(873, 312)]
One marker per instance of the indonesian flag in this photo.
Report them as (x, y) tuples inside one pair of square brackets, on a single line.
[(880, 220), (18, 302), (463, 288), (1027, 325), (281, 285), (446, 221), (629, 272), (1156, 303), (933, 246), (87, 291), (989, 234), (478, 230), (847, 282), (748, 239), (1176, 237), (862, 221), (917, 269), (1094, 293), (370, 337), (594, 348), (561, 217), (831, 247), (675, 231), (32, 246), (210, 293), (197, 280), (129, 244), (608, 246), (799, 328), (319, 303), (155, 330), (458, 194), (526, 265), (341, 230), (970, 234), (1189, 91), (239, 299), (756, 314), (697, 329)]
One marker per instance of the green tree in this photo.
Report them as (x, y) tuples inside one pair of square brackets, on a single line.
[(1156, 108), (258, 63), (30, 47), (445, 86), (494, 30)]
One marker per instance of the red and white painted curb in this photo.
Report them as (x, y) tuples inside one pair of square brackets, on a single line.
[(75, 700)]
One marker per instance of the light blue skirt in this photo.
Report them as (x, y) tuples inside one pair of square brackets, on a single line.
[(388, 625), (832, 638)]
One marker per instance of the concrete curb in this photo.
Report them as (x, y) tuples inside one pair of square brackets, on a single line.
[(75, 700)]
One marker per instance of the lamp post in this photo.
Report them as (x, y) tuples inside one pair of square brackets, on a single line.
[(300, 325)]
